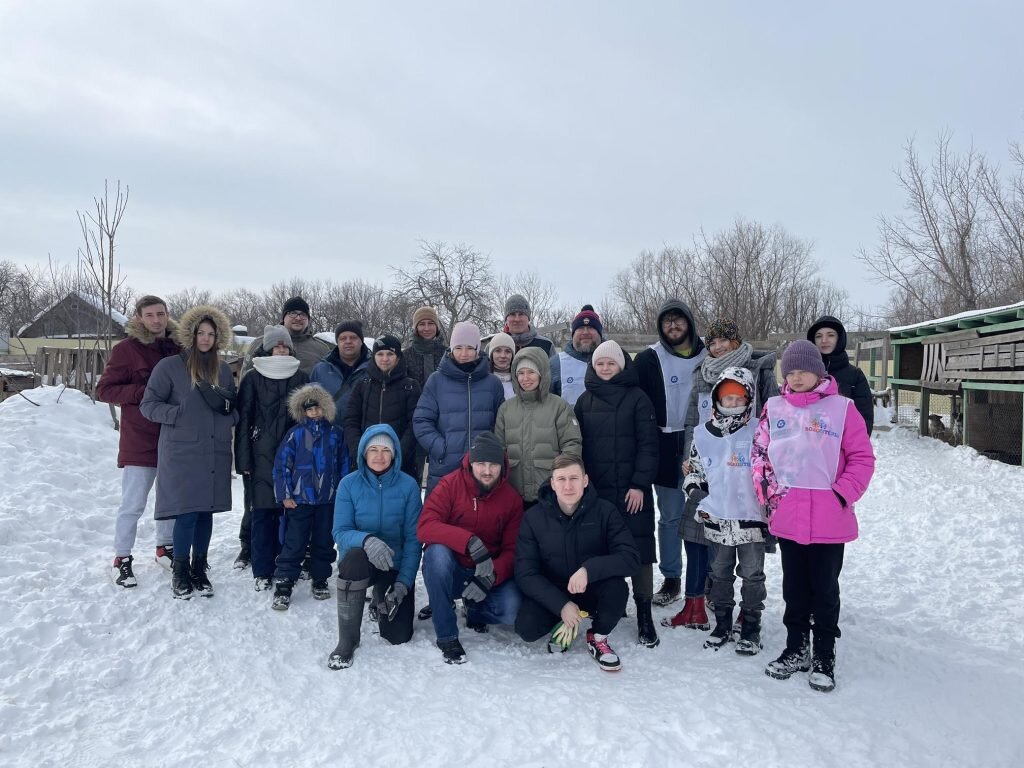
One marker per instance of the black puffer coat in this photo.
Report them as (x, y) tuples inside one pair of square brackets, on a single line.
[(620, 447), (851, 380), (263, 421), (384, 398), (553, 546)]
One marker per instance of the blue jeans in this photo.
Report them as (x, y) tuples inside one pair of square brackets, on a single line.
[(445, 578), (671, 502), (698, 559), (264, 541), (192, 532), (310, 525)]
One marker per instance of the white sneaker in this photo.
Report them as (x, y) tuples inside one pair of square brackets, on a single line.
[(165, 556)]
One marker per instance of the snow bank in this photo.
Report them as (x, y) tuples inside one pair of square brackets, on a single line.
[(929, 670)]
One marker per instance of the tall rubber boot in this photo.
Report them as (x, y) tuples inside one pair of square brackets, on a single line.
[(351, 600)]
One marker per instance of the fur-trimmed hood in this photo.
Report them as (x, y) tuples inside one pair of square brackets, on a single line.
[(185, 332), (137, 330), (310, 392)]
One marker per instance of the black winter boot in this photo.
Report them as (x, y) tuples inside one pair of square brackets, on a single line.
[(181, 580), (200, 581), (669, 591), (722, 633), (749, 643), (351, 596), (282, 594), (823, 675), (791, 661), (646, 634)]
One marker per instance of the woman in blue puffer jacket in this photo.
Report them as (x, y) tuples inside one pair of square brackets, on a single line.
[(375, 515)]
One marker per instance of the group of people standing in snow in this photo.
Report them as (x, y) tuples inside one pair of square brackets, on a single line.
[(542, 468)]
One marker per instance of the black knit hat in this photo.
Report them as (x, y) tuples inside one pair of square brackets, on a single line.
[(295, 304), (487, 447), (352, 326), (385, 342)]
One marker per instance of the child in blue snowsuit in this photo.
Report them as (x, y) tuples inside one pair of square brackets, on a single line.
[(310, 463)]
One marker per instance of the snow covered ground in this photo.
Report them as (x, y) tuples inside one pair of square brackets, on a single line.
[(929, 666)]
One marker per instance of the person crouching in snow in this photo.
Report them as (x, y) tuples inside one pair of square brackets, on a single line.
[(309, 465), (811, 461), (573, 555), (375, 519), (719, 489)]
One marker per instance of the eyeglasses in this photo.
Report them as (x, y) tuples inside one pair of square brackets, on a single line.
[(674, 320), (296, 313)]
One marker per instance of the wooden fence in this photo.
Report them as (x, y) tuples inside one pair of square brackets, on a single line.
[(77, 368)]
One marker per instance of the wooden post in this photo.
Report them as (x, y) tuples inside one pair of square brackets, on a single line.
[(885, 361), (922, 425)]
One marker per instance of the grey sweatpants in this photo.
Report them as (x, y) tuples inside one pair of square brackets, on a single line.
[(751, 569), (136, 483)]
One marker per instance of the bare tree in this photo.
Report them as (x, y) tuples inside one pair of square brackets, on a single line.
[(649, 281), (454, 279), (936, 257), (1005, 202), (540, 293), (99, 234), (180, 301)]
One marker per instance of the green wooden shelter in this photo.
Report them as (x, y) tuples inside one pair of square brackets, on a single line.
[(977, 356)]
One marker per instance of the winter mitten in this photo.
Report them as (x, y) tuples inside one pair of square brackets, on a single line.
[(381, 556), (563, 635), (477, 588), (484, 564), (392, 599)]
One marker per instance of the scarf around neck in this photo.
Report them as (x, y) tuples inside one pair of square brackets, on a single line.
[(523, 339), (712, 367), (276, 366)]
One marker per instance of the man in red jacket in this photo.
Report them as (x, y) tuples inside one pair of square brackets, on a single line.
[(469, 526), (150, 340)]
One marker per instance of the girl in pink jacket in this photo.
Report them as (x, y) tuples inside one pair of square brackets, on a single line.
[(811, 461)]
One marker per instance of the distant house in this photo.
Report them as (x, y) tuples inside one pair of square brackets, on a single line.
[(78, 315)]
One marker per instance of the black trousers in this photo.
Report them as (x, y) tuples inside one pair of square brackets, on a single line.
[(356, 566), (604, 600), (810, 585), (245, 529)]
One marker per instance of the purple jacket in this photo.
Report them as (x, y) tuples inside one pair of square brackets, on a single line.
[(805, 515)]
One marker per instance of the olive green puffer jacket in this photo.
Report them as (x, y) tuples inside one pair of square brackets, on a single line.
[(535, 427)]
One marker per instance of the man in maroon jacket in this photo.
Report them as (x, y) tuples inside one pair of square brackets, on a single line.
[(469, 526), (150, 340)]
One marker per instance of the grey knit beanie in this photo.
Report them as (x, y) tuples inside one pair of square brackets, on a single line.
[(517, 303), (381, 440), (274, 335)]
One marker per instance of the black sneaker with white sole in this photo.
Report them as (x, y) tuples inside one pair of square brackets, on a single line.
[(121, 572), (602, 653)]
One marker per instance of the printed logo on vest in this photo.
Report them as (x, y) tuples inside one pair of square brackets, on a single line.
[(569, 380), (738, 460), (819, 425), (704, 403), (674, 380), (780, 423)]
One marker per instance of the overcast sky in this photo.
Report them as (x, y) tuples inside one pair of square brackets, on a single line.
[(266, 139)]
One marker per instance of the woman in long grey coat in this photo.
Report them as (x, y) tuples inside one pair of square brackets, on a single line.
[(191, 396)]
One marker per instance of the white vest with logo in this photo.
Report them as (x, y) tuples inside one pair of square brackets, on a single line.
[(703, 407), (677, 373), (726, 463), (573, 373), (806, 442)]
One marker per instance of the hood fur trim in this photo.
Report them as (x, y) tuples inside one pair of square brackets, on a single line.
[(312, 392), (193, 317), (137, 330)]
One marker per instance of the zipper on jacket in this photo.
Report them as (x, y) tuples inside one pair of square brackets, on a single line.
[(380, 404), (469, 412)]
